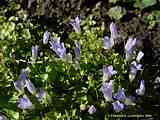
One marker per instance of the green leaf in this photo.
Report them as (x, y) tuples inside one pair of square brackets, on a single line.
[(144, 3), (147, 3), (116, 12)]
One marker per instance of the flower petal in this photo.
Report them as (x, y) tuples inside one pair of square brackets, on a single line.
[(117, 106), (92, 109), (46, 37), (139, 56), (76, 24), (35, 52), (30, 86), (120, 95), (114, 31), (58, 48), (107, 90), (141, 89), (106, 42), (24, 103), (77, 50)]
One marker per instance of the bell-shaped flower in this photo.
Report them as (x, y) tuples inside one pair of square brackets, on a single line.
[(76, 24), (23, 75), (24, 103), (129, 47), (108, 72), (30, 87), (77, 49), (107, 43), (58, 47), (114, 31), (141, 89), (46, 37), (35, 52), (20, 84), (130, 44), (139, 56), (120, 95), (134, 67), (91, 109), (107, 90), (40, 94), (117, 106)]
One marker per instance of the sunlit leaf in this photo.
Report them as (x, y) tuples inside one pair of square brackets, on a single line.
[(116, 12)]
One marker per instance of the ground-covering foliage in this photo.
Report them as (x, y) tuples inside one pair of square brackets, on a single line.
[(79, 59)]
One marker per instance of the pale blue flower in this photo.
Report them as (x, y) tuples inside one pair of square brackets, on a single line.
[(24, 103), (120, 95), (40, 94), (30, 87), (134, 67), (35, 52), (76, 24), (130, 44), (129, 47), (108, 72), (20, 84), (107, 90), (91, 109), (117, 106), (23, 75), (58, 47), (106, 42), (77, 50), (114, 31), (139, 56), (46, 37), (141, 89)]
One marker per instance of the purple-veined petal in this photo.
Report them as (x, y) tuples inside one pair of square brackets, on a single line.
[(114, 31), (139, 56), (77, 50), (20, 84), (30, 87), (76, 24), (35, 52), (129, 48), (107, 90), (24, 103), (108, 72), (130, 44), (58, 48), (120, 95), (117, 106), (91, 109), (141, 89), (46, 37)]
